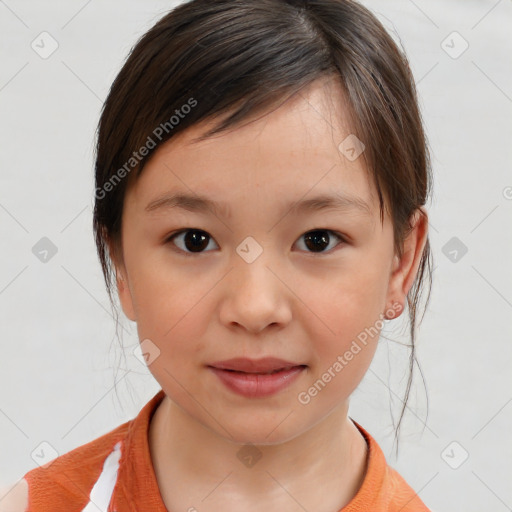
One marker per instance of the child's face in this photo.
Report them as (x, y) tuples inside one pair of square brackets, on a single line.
[(307, 301)]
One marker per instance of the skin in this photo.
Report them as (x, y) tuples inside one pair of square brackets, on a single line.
[(301, 304)]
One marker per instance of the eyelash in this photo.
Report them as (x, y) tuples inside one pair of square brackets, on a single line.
[(173, 235)]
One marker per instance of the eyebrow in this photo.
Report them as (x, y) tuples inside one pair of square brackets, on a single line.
[(198, 203)]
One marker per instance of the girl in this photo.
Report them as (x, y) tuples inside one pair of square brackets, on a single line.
[(261, 176)]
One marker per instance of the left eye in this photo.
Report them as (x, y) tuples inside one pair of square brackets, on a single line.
[(319, 238), (196, 240)]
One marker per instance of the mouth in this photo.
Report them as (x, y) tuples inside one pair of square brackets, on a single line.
[(271, 372), (264, 366), (257, 379)]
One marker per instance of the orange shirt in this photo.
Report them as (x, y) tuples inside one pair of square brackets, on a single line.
[(115, 472)]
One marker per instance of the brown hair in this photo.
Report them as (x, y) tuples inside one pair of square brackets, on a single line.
[(209, 57)]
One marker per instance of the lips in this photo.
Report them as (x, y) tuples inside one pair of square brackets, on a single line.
[(264, 366), (257, 379)]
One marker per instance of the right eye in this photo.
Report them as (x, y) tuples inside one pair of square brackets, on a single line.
[(194, 241)]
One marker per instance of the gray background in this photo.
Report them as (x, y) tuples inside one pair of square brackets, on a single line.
[(63, 377)]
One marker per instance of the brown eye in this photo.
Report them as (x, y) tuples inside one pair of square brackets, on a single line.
[(194, 241), (319, 239)]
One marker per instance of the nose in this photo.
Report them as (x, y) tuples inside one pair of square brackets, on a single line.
[(256, 296)]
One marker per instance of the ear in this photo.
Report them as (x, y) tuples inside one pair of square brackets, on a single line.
[(125, 294), (404, 270), (122, 283)]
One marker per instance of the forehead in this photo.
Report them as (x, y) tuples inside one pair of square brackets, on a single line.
[(291, 152)]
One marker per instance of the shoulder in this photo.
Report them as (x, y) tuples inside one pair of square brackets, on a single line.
[(14, 497), (402, 495), (64, 483), (383, 488)]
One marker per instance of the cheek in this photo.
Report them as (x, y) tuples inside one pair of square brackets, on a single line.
[(346, 315), (169, 307), (343, 342), (173, 321), (354, 297)]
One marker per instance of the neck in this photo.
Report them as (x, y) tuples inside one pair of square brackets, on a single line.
[(325, 464)]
